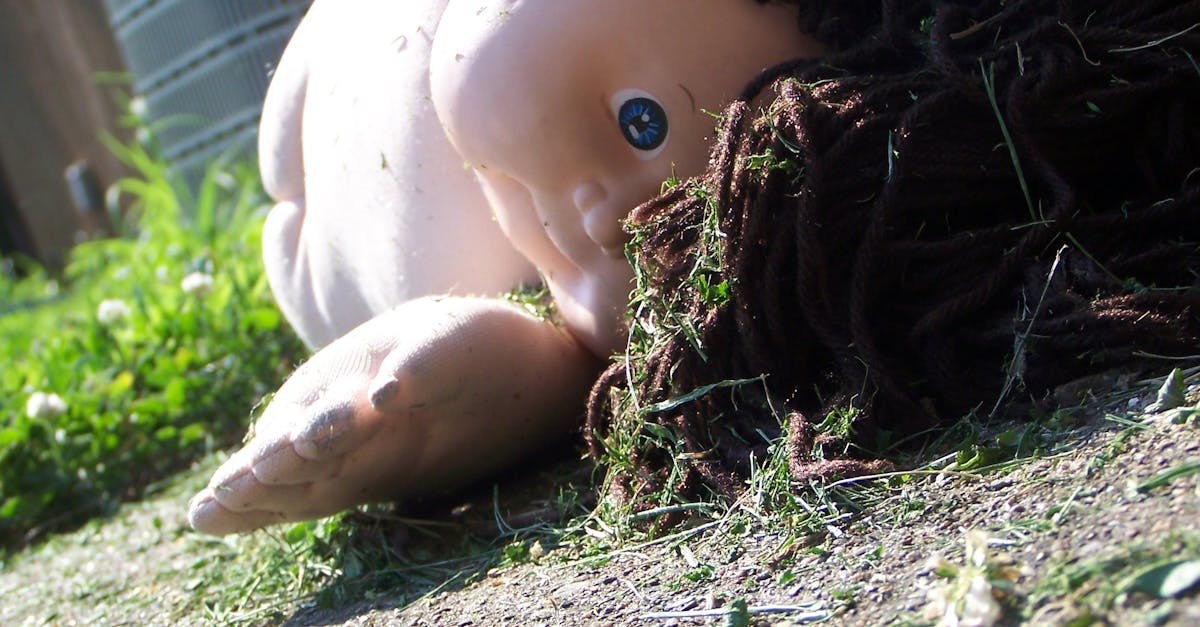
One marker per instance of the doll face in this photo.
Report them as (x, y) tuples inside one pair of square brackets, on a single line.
[(573, 112)]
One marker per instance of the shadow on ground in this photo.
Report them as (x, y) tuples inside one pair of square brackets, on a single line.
[(391, 559)]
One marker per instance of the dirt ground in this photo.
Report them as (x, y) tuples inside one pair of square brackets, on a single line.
[(1077, 508), (1067, 532)]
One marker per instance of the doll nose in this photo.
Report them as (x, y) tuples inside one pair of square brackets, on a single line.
[(587, 197), (601, 220)]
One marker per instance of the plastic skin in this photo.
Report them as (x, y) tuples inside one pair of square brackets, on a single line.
[(391, 135)]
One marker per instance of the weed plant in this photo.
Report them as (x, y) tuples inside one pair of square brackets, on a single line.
[(149, 349)]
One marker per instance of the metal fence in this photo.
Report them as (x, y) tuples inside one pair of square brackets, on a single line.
[(202, 68)]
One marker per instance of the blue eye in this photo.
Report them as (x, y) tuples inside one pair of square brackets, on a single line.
[(643, 123)]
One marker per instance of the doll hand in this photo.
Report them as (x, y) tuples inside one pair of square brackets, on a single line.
[(425, 397)]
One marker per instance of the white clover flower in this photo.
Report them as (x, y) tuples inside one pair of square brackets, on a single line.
[(43, 405), (162, 273), (112, 311), (137, 106), (197, 284)]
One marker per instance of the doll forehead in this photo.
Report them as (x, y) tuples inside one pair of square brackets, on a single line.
[(547, 30), (569, 14), (590, 47)]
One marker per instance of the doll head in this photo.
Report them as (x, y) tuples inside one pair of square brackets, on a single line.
[(573, 112), (892, 265)]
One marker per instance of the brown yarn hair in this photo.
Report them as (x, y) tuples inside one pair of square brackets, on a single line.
[(962, 203)]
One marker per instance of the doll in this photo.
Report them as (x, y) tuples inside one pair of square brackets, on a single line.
[(427, 155), (948, 206)]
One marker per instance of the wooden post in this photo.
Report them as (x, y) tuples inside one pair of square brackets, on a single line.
[(52, 113)]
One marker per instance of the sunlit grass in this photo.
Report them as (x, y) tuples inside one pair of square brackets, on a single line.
[(150, 349)]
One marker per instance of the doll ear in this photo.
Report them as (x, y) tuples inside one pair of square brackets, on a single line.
[(642, 121)]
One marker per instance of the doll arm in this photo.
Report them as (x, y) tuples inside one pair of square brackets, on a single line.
[(426, 397)]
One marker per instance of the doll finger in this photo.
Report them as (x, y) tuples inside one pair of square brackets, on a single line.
[(341, 421), (290, 502), (284, 466), (207, 515)]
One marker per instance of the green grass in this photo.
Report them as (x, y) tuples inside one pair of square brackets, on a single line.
[(149, 350)]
